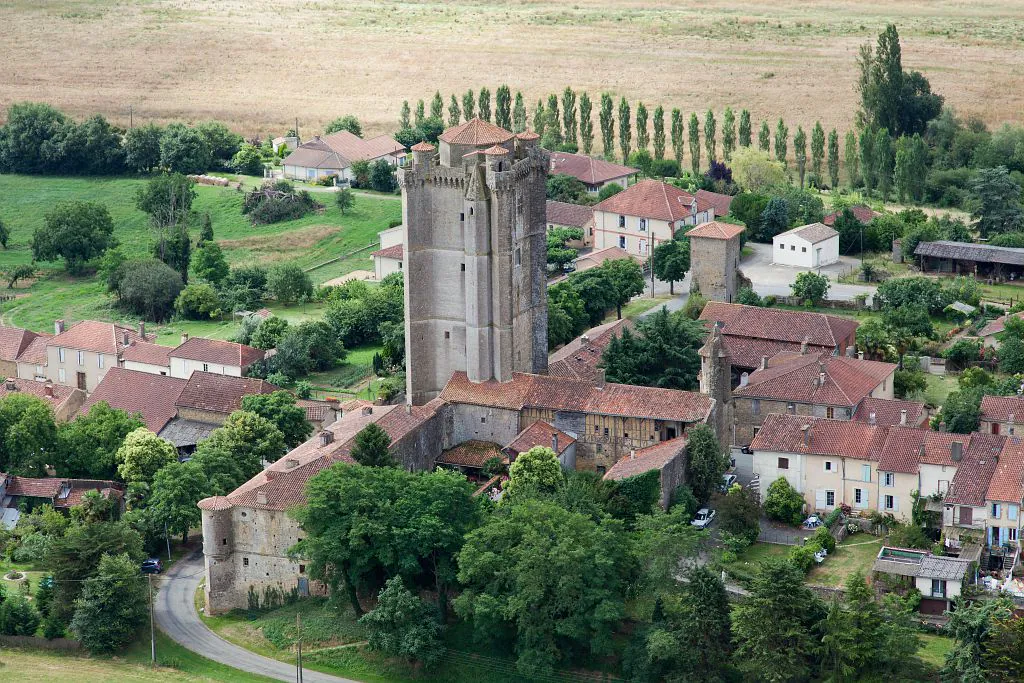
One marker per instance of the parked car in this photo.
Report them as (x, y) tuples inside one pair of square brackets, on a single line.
[(703, 518), (727, 481), (152, 566)]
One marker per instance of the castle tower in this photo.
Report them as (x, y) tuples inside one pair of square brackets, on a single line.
[(716, 382), (475, 257)]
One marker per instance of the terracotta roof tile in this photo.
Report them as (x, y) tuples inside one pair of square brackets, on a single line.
[(998, 325), (652, 199), (716, 230), (573, 215), (587, 169), (144, 352), (496, 150), (1000, 408), (30, 487), (91, 335), (14, 341), (423, 146), (888, 412), (646, 459), (974, 473), (395, 251), (316, 411), (218, 351), (215, 503), (316, 154), (1008, 480), (354, 148), (775, 324), (151, 395), (56, 396), (812, 232), (540, 433), (862, 213), (220, 393), (579, 358), (35, 352), (596, 258), (472, 454), (906, 447), (847, 381), (527, 135), (786, 433), (720, 202), (476, 132)]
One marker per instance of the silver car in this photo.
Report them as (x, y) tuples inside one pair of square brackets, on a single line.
[(703, 518)]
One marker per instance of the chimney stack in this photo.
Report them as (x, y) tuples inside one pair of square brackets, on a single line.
[(184, 337), (9, 385), (956, 451), (851, 351), (58, 326), (142, 330), (125, 339), (803, 346), (599, 382), (408, 409), (48, 390), (1009, 424), (632, 453), (326, 437), (367, 410), (554, 442), (764, 362), (744, 379), (872, 417), (806, 429), (903, 417), (261, 497), (860, 355)]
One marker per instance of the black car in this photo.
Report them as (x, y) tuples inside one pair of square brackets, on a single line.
[(152, 566)]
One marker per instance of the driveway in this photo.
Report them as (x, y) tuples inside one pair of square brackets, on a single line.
[(176, 616), (770, 279)]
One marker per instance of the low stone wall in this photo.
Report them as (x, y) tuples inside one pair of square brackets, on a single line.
[(64, 644), (827, 593)]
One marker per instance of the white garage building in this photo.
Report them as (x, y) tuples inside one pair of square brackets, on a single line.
[(808, 246)]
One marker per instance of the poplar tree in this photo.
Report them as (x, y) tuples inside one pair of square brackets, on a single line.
[(484, 104), (694, 144), (420, 114), (625, 129), (454, 111), (519, 114), (643, 136), (586, 123), (884, 162), (569, 117), (437, 106), (744, 128), (607, 120), (710, 129), (553, 123), (764, 138), (833, 159), (677, 136), (404, 116), (781, 142), (852, 159), (503, 107), (800, 152), (539, 118), (868, 170), (659, 132), (468, 105), (817, 151), (728, 133)]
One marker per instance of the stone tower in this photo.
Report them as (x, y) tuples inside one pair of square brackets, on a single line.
[(475, 258), (715, 260), (716, 382)]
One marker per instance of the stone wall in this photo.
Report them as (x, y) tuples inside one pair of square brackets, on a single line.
[(745, 420), (715, 263)]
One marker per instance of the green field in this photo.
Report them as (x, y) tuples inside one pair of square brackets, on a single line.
[(309, 241)]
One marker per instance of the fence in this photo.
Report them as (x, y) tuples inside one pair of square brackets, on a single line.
[(65, 644)]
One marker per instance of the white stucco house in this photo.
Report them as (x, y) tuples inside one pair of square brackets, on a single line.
[(388, 259), (809, 246), (334, 154)]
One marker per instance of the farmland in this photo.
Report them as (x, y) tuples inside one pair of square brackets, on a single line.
[(242, 63)]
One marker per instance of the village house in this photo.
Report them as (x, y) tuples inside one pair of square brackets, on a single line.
[(334, 154), (14, 342), (668, 457), (388, 259), (888, 412), (62, 493), (81, 355), (1000, 415), (64, 401), (597, 257), (808, 246), (199, 354), (645, 215), (565, 215), (147, 357), (815, 384), (938, 578), (594, 173), (1004, 498), (31, 362), (993, 328), (150, 395), (721, 203), (545, 435), (580, 358), (751, 333)]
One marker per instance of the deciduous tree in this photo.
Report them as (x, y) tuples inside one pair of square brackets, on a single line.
[(279, 407), (484, 104), (28, 435), (800, 153), (113, 605), (371, 447), (627, 280), (76, 231), (402, 625), (289, 283), (764, 138), (710, 131), (781, 142), (454, 112), (177, 487), (705, 463), (670, 261), (995, 202), (252, 439), (678, 136), (518, 114), (817, 151), (141, 454), (569, 123), (468, 105), (852, 157), (503, 107), (745, 131), (810, 286)]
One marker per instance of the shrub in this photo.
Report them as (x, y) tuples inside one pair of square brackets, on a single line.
[(198, 302), (784, 503), (748, 297), (803, 556), (277, 201), (248, 161), (694, 305), (18, 617), (289, 283), (824, 539), (148, 288)]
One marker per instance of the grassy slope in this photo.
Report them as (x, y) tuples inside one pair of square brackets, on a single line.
[(24, 200)]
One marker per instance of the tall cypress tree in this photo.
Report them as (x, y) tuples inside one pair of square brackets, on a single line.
[(586, 123), (503, 107), (625, 129), (552, 121), (519, 114), (710, 131), (468, 105), (421, 113), (437, 106), (884, 162), (833, 159), (868, 170), (817, 151), (901, 172), (728, 133), (694, 144), (405, 115), (800, 152), (484, 104), (744, 128), (659, 132), (643, 136), (677, 136), (540, 118), (607, 120), (454, 111), (569, 117), (764, 138), (852, 156), (781, 142)]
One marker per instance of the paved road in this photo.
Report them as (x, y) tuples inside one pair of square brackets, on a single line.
[(176, 616)]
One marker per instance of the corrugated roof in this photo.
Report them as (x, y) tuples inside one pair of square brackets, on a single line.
[(966, 251)]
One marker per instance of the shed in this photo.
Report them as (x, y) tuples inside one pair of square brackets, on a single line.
[(809, 246)]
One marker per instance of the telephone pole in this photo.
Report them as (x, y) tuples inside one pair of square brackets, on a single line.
[(152, 628)]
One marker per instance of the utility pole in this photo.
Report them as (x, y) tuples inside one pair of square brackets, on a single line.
[(152, 629), (298, 658), (297, 129), (131, 117), (167, 537)]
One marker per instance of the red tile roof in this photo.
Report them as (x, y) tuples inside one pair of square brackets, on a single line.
[(646, 459), (1000, 408), (587, 169), (218, 351), (906, 447), (540, 433), (653, 199), (354, 148), (496, 150), (58, 393), (786, 433), (862, 213), (35, 352), (888, 411), (973, 475), (395, 251), (472, 454), (579, 358), (720, 202), (572, 215), (476, 132), (151, 395), (34, 488), (998, 325), (847, 381), (14, 341), (423, 146), (316, 411), (1008, 480), (91, 335), (716, 230), (559, 393), (151, 354), (220, 393)]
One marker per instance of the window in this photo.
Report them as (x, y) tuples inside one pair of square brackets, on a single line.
[(755, 406), (995, 427), (890, 502), (859, 497), (1011, 533), (447, 334), (483, 420), (890, 479), (803, 249), (60, 354), (791, 408), (471, 208), (830, 499), (622, 221), (782, 246), (996, 511), (99, 360), (828, 466), (206, 367), (519, 256), (643, 225), (302, 569), (223, 541), (938, 588), (622, 242), (81, 357), (606, 431), (865, 472), (245, 561), (1012, 512), (61, 377), (783, 463), (792, 247), (601, 468), (830, 412), (462, 216), (596, 429), (462, 267)]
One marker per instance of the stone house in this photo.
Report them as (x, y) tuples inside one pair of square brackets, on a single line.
[(594, 173), (645, 215), (31, 363), (888, 412), (540, 433), (1001, 414), (579, 359), (715, 259), (388, 259), (81, 355), (334, 154), (565, 215), (814, 384), (65, 401), (214, 356), (14, 342), (808, 246), (668, 457), (62, 493)]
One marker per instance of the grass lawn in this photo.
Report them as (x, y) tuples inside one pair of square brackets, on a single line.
[(746, 564), (309, 241), (639, 306), (856, 553), (933, 649), (939, 387), (358, 366)]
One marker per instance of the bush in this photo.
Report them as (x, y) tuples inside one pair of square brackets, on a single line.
[(18, 617), (289, 283), (748, 297), (694, 305), (248, 161), (784, 503), (803, 556), (810, 287), (824, 539), (198, 302), (277, 201), (148, 288)]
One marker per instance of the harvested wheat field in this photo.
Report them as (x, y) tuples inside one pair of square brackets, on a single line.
[(260, 65)]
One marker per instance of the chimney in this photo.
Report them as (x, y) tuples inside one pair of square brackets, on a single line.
[(744, 379), (326, 437), (764, 362), (184, 337), (58, 326), (142, 330), (408, 409), (1009, 424), (367, 410), (125, 339), (48, 390), (821, 374), (803, 346), (806, 429), (860, 355), (261, 497), (851, 351), (872, 417), (903, 417), (956, 451), (632, 453), (9, 385), (942, 426), (599, 382), (554, 442), (291, 463)]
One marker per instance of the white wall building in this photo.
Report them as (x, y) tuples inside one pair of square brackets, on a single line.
[(809, 246), (388, 259)]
